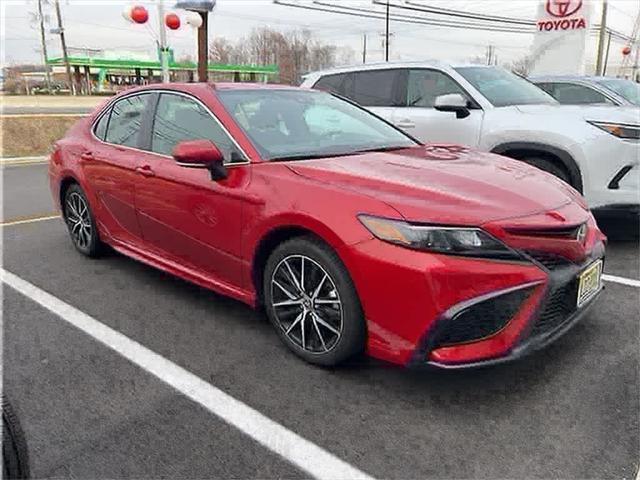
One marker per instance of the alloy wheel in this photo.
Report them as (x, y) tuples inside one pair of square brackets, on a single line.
[(78, 220), (306, 304)]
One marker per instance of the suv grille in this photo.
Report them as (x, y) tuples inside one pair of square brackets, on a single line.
[(560, 305), (550, 261), (481, 319)]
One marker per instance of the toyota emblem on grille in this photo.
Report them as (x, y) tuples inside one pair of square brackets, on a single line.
[(582, 233)]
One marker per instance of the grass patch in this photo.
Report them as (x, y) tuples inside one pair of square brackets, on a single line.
[(32, 135)]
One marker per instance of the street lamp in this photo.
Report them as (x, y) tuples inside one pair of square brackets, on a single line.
[(202, 7)]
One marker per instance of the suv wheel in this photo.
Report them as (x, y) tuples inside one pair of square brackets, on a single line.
[(549, 167)]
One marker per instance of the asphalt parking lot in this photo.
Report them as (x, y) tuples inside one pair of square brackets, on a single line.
[(570, 411)]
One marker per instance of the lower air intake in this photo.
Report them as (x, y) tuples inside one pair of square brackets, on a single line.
[(481, 320)]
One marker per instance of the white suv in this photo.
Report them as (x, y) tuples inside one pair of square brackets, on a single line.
[(596, 149)]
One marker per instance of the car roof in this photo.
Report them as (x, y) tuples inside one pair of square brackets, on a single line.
[(200, 86), (394, 65), (579, 78)]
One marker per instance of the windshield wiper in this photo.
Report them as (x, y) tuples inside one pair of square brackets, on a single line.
[(307, 156), (383, 149)]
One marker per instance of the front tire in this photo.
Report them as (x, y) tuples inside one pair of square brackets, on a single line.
[(311, 301), (81, 223)]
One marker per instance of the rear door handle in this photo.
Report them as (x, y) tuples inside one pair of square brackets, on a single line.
[(87, 155), (405, 124), (146, 171)]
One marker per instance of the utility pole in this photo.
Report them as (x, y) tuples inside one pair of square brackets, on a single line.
[(386, 35), (44, 46), (364, 48), (606, 55), (203, 48), (65, 56), (601, 39), (164, 52)]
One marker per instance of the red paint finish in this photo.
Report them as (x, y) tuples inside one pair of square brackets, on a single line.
[(209, 232)]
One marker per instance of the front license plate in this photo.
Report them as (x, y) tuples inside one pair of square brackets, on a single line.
[(589, 282)]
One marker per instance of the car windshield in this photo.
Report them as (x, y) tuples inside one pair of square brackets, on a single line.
[(627, 89), (503, 88), (288, 124)]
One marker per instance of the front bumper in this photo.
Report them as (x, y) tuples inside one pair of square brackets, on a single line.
[(406, 295), (547, 323)]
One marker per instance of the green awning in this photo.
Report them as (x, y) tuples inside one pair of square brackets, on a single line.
[(117, 64)]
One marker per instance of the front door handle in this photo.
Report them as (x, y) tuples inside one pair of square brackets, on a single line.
[(146, 171), (405, 124)]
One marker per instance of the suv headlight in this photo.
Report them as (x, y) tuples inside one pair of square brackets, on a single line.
[(472, 242), (620, 130)]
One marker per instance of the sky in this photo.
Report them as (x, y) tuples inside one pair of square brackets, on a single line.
[(99, 24)]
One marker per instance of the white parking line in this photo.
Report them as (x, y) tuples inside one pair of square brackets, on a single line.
[(300, 452), (25, 220), (621, 280)]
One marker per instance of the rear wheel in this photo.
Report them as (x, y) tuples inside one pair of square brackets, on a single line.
[(15, 456), (81, 222), (550, 167), (312, 303)]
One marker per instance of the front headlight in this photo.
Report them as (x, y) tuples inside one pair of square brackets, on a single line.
[(472, 242), (620, 130)]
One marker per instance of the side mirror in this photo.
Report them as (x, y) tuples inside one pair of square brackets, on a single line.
[(453, 102), (201, 154)]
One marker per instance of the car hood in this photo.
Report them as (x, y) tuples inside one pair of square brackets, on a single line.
[(602, 113), (443, 184)]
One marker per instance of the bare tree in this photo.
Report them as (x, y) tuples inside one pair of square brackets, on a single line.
[(295, 52)]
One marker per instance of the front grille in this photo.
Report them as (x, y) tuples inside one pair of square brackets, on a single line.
[(481, 320), (560, 305), (550, 261)]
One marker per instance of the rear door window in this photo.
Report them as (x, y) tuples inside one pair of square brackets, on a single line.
[(377, 88), (125, 122), (100, 129), (331, 83)]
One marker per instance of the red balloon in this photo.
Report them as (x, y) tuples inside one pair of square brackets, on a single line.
[(172, 21), (139, 14), (626, 50)]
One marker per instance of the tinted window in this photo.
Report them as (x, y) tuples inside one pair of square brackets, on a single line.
[(299, 124), (573, 94), (547, 87), (502, 88), (126, 120), (376, 88), (330, 83), (627, 89), (101, 127), (425, 85), (179, 118)]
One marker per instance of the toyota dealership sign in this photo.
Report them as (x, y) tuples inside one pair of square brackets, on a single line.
[(562, 30), (565, 15)]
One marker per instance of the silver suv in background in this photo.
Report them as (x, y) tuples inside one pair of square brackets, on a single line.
[(578, 90), (595, 149)]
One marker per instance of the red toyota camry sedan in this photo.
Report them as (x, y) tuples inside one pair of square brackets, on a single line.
[(350, 234)]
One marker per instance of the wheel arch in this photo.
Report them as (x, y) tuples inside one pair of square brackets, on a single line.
[(520, 150), (65, 183), (271, 237)]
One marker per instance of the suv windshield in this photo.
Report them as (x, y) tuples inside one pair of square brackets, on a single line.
[(503, 88), (627, 89), (299, 124)]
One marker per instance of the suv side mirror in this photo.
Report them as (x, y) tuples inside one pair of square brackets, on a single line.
[(201, 154), (453, 102)]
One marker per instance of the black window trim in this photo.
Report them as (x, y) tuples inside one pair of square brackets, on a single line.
[(474, 104), (147, 123)]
